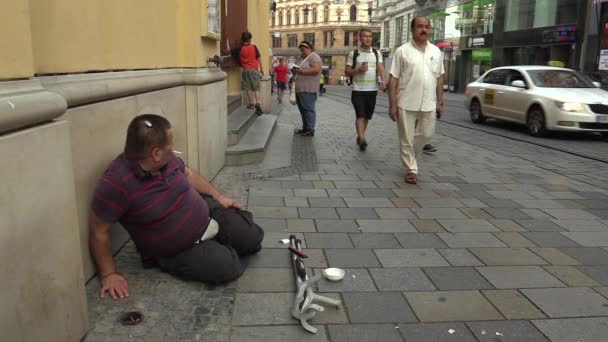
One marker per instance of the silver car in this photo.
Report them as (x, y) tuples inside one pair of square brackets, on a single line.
[(543, 98)]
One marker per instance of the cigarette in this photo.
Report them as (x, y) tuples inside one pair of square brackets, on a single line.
[(177, 152)]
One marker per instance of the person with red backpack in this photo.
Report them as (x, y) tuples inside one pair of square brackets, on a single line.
[(249, 58)]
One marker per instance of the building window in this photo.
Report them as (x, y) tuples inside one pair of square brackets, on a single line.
[(281, 18), (288, 17), (292, 40), (346, 39), (310, 37), (297, 15), (305, 15), (314, 15), (353, 13), (276, 42), (326, 14), (387, 34), (398, 31), (526, 14), (273, 19), (328, 39)]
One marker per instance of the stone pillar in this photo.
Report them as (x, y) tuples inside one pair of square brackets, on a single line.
[(265, 94)]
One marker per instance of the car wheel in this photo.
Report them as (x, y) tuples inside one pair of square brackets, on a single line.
[(475, 112), (536, 122)]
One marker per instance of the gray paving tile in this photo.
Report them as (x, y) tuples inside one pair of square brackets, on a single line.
[(374, 240), (460, 257), (320, 202), (265, 201), (515, 277), (593, 195), (476, 194), (270, 257), (435, 186), (603, 290), (276, 334), (571, 276), (328, 240), (468, 226), (473, 203), (457, 278), (539, 203), (336, 226), (476, 213), (267, 280), (515, 331), (301, 225), (570, 214), (394, 213), (364, 333), (404, 202), (436, 332), (466, 240), (574, 329), (310, 193), (318, 213), (507, 225), (448, 179), (271, 239), (565, 195), (420, 240), (362, 184), (415, 193), (573, 302), (401, 279), (513, 239), (439, 213), (369, 203), (512, 304), (378, 307), (539, 225), (471, 187), (500, 203), (599, 213), (345, 258), (297, 184), (296, 202), (355, 280), (506, 213), (274, 212), (593, 203), (507, 256), (588, 239), (510, 194), (272, 225), (323, 184), (379, 193), (439, 203), (447, 306), (410, 258), (549, 239), (554, 256), (344, 193), (357, 213), (386, 226), (598, 273), (582, 225), (428, 226)]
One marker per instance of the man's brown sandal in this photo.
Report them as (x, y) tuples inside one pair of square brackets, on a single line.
[(410, 178)]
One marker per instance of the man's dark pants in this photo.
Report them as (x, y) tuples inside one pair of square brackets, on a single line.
[(217, 260)]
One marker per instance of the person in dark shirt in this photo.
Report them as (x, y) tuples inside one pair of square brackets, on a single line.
[(175, 217)]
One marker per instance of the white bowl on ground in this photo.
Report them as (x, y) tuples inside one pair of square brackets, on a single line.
[(333, 274)]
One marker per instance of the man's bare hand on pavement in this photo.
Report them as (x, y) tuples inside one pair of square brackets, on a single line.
[(228, 203), (115, 285)]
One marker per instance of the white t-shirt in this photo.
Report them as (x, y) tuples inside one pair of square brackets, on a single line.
[(365, 81), (417, 72)]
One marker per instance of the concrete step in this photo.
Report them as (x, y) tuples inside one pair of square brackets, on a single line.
[(233, 102), (252, 146), (238, 122)]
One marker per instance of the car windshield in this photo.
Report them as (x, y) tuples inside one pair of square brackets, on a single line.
[(548, 78)]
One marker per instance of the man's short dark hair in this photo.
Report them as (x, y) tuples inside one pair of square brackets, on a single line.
[(246, 36), (365, 30), (145, 132), (413, 23)]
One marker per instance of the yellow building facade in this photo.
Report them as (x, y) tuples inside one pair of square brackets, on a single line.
[(331, 25), (73, 74)]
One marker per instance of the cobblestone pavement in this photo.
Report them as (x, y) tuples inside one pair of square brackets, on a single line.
[(488, 246)]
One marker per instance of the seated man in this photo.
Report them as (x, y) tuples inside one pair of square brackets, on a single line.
[(175, 217)]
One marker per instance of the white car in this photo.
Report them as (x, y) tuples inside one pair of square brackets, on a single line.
[(543, 98)]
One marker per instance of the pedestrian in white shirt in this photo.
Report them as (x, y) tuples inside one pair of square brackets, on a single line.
[(416, 93)]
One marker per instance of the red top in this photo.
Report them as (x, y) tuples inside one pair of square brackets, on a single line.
[(249, 57), (281, 72)]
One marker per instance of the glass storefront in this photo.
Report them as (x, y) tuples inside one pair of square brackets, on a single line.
[(527, 14), (482, 62)]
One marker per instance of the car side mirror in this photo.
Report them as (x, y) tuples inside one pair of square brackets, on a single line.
[(518, 84), (597, 84)]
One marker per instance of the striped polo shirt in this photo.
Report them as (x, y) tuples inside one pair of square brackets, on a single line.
[(163, 213)]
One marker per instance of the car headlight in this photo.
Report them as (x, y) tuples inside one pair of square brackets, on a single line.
[(571, 106)]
